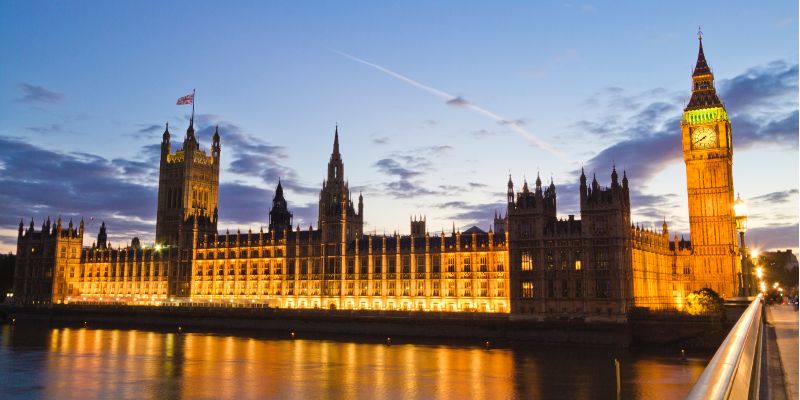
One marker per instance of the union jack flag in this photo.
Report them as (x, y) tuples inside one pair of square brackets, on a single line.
[(188, 99)]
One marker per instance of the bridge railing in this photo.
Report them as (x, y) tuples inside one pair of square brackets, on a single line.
[(734, 371)]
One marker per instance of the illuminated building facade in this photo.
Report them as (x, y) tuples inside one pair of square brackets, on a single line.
[(532, 263)]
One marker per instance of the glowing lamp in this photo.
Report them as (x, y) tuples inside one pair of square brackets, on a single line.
[(740, 213)]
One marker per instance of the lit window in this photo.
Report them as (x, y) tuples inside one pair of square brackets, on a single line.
[(527, 261), (527, 289), (577, 265)]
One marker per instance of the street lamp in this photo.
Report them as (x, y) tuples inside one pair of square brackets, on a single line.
[(740, 216)]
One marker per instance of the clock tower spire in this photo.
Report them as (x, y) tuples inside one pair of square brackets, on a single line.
[(708, 154)]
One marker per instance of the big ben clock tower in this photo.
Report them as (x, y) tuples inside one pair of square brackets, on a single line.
[(708, 153)]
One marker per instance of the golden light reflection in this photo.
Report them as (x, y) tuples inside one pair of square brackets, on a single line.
[(192, 366)]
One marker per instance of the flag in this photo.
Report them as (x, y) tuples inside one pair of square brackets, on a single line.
[(188, 99)]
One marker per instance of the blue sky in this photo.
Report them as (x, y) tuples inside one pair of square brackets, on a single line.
[(86, 88)]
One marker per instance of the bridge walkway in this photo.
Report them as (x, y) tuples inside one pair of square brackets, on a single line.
[(783, 319)]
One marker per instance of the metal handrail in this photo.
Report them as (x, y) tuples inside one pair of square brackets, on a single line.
[(734, 371)]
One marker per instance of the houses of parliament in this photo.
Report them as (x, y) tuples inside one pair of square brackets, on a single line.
[(532, 263)]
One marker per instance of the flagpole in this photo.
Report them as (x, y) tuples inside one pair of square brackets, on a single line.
[(192, 104)]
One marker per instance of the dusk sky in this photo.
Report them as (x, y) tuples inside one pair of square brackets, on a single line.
[(436, 103)]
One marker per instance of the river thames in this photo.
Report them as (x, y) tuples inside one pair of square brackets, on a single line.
[(83, 363)]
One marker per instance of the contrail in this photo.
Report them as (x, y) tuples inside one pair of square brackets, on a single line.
[(460, 102)]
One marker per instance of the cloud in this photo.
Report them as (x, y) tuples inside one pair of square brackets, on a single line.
[(406, 165), (121, 192), (380, 140), (251, 156), (467, 214), (773, 237), (49, 183), (392, 167), (147, 131), (750, 131), (38, 94), (766, 85), (776, 197), (482, 133), (46, 129), (651, 132), (459, 101)]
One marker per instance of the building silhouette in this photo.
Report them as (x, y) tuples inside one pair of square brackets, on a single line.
[(531, 263)]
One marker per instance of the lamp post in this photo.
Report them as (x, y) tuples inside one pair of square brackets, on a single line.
[(740, 215)]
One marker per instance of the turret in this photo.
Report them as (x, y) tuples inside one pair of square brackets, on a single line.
[(280, 218), (418, 226), (510, 190), (215, 145), (583, 187), (624, 180), (165, 136), (102, 237), (20, 228), (614, 182), (538, 184)]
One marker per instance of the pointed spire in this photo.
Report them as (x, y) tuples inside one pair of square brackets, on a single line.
[(165, 137), (701, 68), (583, 177), (614, 174), (703, 93), (538, 180), (190, 129), (624, 179), (216, 134), (336, 140), (510, 183)]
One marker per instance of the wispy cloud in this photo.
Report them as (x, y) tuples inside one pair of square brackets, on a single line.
[(38, 94), (458, 101), (45, 129)]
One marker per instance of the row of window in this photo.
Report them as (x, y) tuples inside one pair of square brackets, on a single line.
[(406, 288), (565, 262), (564, 290), (256, 253), (130, 271)]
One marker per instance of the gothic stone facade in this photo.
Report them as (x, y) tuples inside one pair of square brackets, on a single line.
[(533, 263)]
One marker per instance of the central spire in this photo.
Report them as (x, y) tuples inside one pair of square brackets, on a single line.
[(335, 165), (336, 141)]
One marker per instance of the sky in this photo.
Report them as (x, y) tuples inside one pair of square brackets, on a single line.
[(436, 104)]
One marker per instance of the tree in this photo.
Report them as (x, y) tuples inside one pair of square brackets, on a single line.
[(704, 302)]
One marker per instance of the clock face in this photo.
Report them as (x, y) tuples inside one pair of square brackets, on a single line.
[(704, 137)]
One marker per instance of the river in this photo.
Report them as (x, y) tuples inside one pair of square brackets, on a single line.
[(85, 363)]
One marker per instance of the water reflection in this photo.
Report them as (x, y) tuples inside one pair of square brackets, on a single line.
[(108, 363)]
